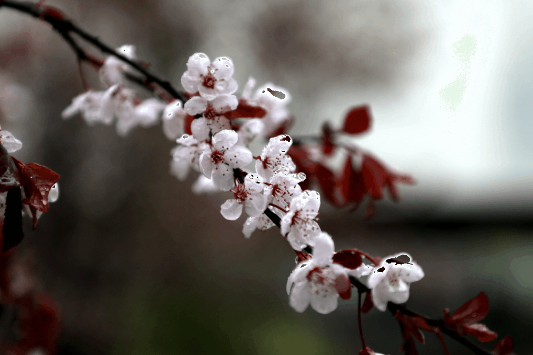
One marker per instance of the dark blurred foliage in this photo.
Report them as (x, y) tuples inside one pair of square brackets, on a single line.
[(140, 265)]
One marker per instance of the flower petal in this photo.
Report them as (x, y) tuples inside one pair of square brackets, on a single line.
[(323, 250), (206, 164), (300, 296), (223, 68), (325, 303), (231, 209), (200, 129), (224, 103), (238, 156), (256, 205), (225, 139), (223, 178), (196, 105)]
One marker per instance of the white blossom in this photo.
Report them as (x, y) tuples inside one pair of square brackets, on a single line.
[(249, 130), (274, 157), (252, 223), (113, 70), (274, 100), (174, 120), (318, 281), (390, 281), (223, 156), (250, 195), (9, 141), (186, 155), (210, 79), (94, 106), (299, 225), (131, 114), (283, 188), (203, 185)]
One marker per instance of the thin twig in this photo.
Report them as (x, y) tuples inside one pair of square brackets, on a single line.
[(64, 26)]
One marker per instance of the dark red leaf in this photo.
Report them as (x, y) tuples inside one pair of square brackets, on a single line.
[(37, 181), (350, 259), (504, 347), (353, 187), (343, 287), (357, 120), (481, 332), (245, 110), (472, 311), (410, 326), (374, 176), (304, 164), (368, 303), (327, 181)]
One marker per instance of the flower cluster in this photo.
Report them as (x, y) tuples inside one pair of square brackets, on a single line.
[(214, 130)]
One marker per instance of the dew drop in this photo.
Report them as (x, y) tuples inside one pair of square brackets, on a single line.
[(301, 176), (185, 136)]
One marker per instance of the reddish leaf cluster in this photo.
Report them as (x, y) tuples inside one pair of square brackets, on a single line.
[(245, 110), (464, 320), (354, 182), (412, 326), (35, 181)]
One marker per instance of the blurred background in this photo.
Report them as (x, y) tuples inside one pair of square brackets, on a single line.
[(140, 265)]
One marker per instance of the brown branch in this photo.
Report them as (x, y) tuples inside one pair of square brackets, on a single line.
[(65, 27)]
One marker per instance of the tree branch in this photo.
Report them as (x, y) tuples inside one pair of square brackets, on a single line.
[(65, 27)]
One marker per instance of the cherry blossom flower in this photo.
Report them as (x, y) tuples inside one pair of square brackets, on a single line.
[(274, 157), (203, 185), (173, 120), (94, 106), (283, 188), (186, 155), (390, 281), (9, 141), (299, 225), (252, 223), (209, 79), (113, 70), (131, 113), (318, 281), (213, 120), (274, 100), (249, 130), (224, 155), (250, 195)]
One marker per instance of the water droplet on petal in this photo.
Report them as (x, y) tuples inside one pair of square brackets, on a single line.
[(301, 176), (185, 136)]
